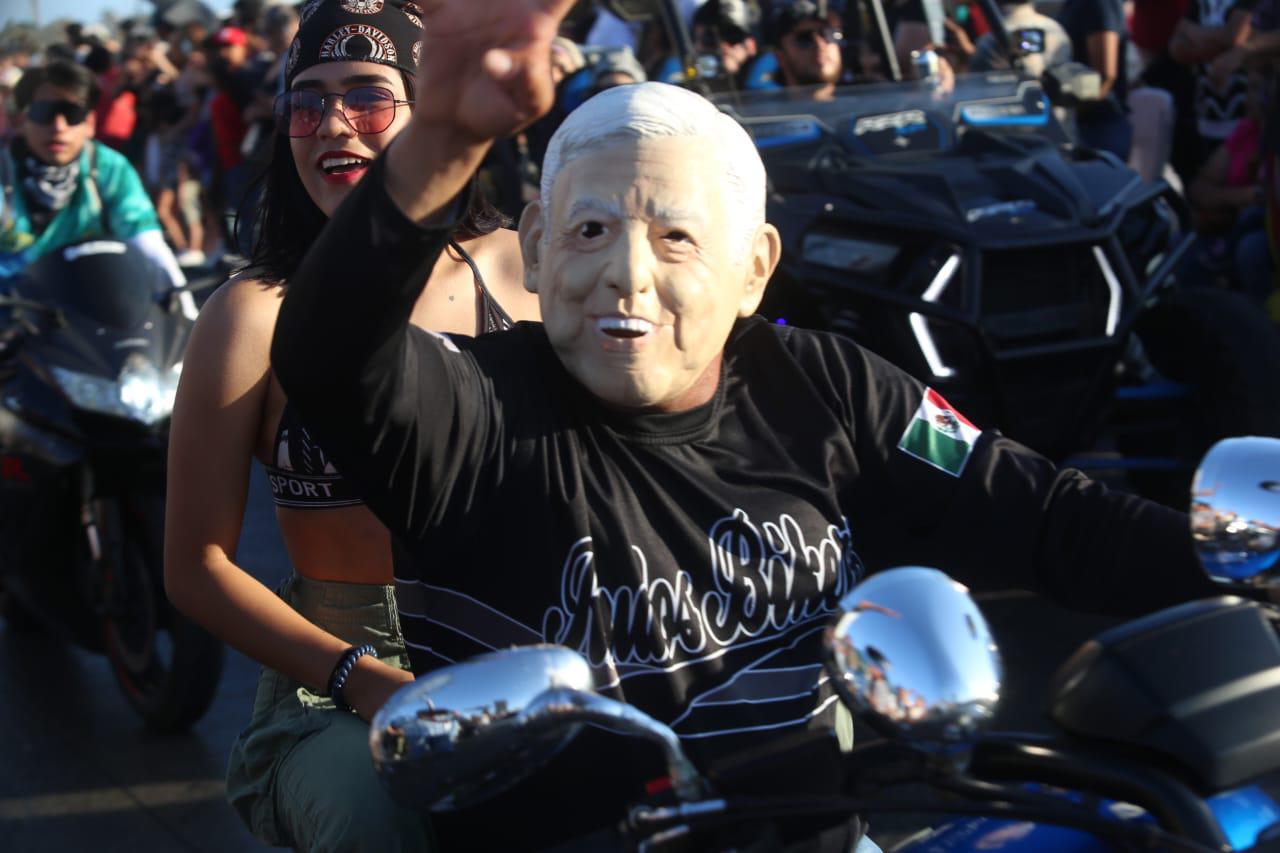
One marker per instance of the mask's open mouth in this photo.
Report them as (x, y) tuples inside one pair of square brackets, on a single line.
[(624, 327)]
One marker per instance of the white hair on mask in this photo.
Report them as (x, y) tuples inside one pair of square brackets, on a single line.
[(657, 110)]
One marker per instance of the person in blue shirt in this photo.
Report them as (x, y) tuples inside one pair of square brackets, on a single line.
[(58, 187)]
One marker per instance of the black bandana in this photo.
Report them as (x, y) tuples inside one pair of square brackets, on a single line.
[(388, 32)]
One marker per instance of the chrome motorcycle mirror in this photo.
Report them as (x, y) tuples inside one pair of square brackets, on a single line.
[(1235, 511), (912, 654), (463, 733)]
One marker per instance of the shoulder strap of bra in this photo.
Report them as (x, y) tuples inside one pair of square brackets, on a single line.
[(489, 314)]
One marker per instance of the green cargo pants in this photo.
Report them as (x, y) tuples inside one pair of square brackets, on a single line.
[(300, 775)]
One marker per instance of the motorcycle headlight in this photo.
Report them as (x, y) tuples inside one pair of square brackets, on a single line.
[(848, 254), (142, 392)]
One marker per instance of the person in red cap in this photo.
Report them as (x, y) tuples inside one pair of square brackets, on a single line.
[(229, 55)]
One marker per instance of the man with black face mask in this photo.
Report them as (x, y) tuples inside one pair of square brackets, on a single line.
[(59, 187)]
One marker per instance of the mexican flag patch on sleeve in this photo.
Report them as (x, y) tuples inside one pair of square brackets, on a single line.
[(939, 435)]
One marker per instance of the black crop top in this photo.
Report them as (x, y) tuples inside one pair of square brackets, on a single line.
[(301, 475)]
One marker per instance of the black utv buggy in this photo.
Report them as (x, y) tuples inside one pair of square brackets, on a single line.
[(1031, 281)]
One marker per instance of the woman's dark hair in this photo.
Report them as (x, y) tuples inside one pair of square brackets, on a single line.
[(61, 73), (288, 221)]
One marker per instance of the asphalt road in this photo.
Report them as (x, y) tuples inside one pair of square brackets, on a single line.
[(77, 770), (78, 773)]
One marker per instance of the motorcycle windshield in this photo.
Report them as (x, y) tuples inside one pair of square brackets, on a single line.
[(880, 119), (108, 282)]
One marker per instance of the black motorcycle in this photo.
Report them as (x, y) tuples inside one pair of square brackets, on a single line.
[(1165, 734), (90, 357)]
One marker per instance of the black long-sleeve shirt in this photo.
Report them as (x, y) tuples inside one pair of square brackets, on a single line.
[(693, 557)]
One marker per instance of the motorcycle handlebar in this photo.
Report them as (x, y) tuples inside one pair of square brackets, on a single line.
[(674, 824), (1183, 820), (1007, 757)]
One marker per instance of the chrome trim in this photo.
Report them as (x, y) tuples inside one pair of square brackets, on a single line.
[(920, 326), (462, 733), (913, 655), (1113, 285), (1235, 511)]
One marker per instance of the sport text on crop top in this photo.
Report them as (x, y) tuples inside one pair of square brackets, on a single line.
[(301, 475)]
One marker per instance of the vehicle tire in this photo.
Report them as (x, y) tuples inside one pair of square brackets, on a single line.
[(1226, 349), (167, 666)]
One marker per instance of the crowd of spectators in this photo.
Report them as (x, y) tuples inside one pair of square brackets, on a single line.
[(188, 104), (1184, 89), (1185, 85)]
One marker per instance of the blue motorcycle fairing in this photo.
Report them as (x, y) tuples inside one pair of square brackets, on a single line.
[(1243, 813), (981, 835)]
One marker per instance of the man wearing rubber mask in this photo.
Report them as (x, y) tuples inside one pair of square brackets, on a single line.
[(60, 187), (677, 489)]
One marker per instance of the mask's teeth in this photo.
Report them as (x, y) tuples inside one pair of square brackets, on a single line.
[(625, 327)]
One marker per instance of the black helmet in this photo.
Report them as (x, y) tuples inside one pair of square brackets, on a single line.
[(726, 16), (785, 15)]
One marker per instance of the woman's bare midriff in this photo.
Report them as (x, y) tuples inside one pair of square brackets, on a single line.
[(345, 544)]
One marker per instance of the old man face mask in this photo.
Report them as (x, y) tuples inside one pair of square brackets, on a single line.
[(641, 267)]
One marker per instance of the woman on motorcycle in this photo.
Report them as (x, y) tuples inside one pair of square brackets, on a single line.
[(300, 774)]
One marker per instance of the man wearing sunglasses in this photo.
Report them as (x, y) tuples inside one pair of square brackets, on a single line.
[(807, 40), (723, 28), (58, 187)]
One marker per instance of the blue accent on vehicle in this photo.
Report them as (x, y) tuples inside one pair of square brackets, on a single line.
[(781, 321), (811, 133), (974, 117), (670, 71), (575, 89), (762, 73), (1226, 566), (1243, 814), (972, 835), (1161, 390)]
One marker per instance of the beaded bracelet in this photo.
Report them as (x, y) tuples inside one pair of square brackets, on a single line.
[(342, 671)]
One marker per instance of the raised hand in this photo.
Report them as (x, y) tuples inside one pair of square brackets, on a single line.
[(484, 71), (485, 66)]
